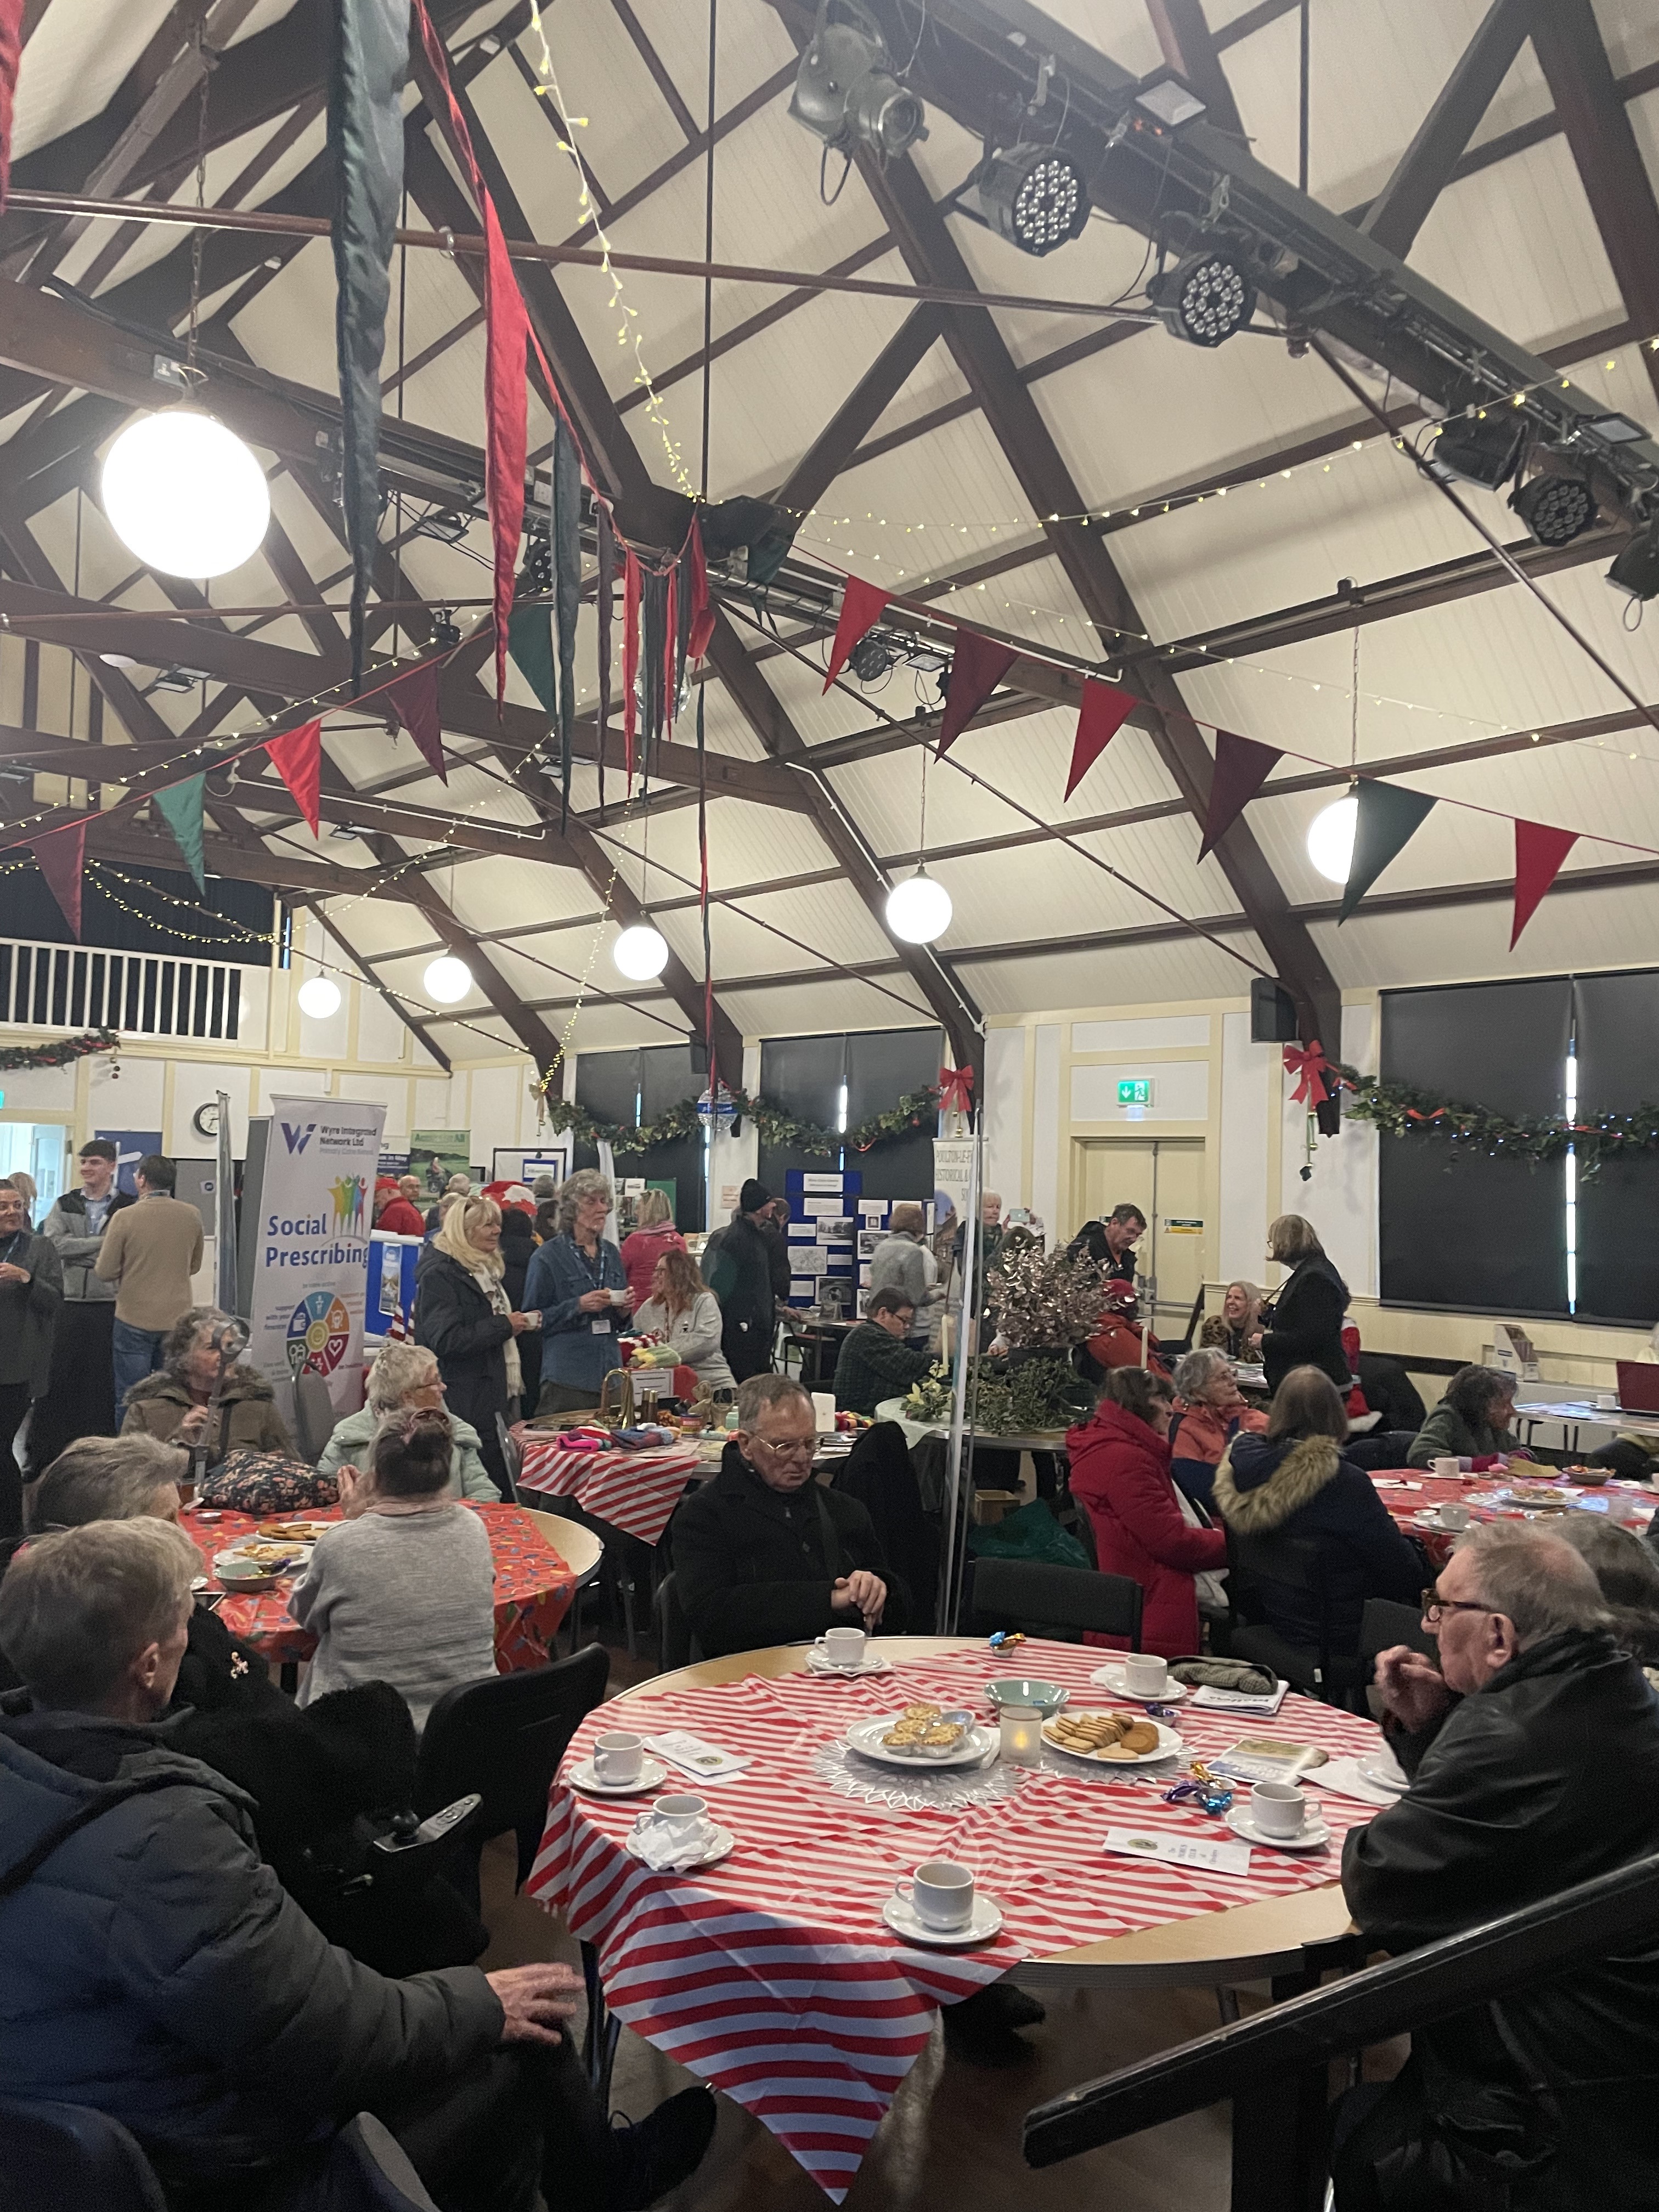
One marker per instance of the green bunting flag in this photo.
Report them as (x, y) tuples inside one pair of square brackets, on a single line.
[(530, 641), (1388, 819), (180, 807)]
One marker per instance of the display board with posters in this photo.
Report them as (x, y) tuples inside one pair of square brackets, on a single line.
[(435, 1155), (310, 1276)]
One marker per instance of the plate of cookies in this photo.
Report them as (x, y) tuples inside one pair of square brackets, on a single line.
[(922, 1735), (1111, 1739)]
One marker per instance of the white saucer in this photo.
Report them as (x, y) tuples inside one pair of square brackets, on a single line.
[(818, 1662), (1111, 1678), (902, 1919), (721, 1844), (651, 1776), (1382, 1770), (1309, 1838), (1428, 1516)]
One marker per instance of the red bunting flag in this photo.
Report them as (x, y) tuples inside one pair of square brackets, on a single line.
[(1104, 711), (860, 606), (701, 631), (297, 757), (414, 700), (1539, 854), (632, 587), (62, 854), (1242, 766), (11, 56), (977, 666)]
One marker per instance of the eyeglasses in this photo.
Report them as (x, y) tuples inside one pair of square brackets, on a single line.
[(804, 1450), (1434, 1605)]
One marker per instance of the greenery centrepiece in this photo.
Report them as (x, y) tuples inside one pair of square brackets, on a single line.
[(1401, 1110), (917, 1109), (1045, 1301), (1037, 1397)]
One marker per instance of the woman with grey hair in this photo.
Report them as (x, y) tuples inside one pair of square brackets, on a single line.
[(1209, 1411), (177, 1403), (405, 1378), (577, 1279)]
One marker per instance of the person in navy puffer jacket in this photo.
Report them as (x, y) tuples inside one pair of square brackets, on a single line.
[(1295, 1480)]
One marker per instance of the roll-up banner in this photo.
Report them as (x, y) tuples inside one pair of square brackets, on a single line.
[(311, 1255)]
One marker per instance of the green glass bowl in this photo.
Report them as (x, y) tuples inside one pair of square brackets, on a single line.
[(1026, 1690)]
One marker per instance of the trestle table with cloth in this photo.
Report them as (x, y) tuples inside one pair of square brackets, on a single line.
[(633, 1490), (1478, 1492), (533, 1588), (772, 1974)]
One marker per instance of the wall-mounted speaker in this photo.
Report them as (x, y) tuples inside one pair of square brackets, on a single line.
[(1272, 1012)]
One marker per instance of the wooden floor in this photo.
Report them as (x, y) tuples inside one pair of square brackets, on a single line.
[(950, 2142)]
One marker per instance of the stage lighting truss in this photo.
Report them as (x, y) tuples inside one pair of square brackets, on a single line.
[(1035, 196), (846, 89), (1205, 297), (1556, 509)]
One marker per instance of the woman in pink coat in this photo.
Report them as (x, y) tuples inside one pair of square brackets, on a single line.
[(654, 1235), (1142, 1526)]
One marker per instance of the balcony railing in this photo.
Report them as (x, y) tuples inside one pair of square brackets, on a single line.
[(70, 986)]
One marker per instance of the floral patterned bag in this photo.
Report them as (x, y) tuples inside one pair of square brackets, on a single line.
[(249, 1481)]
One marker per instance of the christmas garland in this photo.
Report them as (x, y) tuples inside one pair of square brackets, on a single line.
[(61, 1051), (917, 1109), (1401, 1110)]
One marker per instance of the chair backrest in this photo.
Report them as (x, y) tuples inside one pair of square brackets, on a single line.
[(511, 1457), (504, 1737), (1037, 1599), (1384, 1623), (676, 1645), (59, 2155), (313, 1416)]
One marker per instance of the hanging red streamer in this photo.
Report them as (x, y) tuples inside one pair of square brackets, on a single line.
[(861, 605), (670, 633), (956, 1090), (1539, 854), (1316, 1079), (631, 588), (977, 666), (62, 854), (1104, 710), (702, 631), (11, 56), (297, 757)]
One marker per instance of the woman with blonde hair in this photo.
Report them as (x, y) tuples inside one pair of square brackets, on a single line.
[(654, 1233), (576, 1280), (463, 1313), (1303, 1327), (686, 1314), (1231, 1330)]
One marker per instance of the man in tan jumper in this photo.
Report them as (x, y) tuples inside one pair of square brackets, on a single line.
[(150, 1253)]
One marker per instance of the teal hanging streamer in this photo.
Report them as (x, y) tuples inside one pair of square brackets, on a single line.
[(180, 807)]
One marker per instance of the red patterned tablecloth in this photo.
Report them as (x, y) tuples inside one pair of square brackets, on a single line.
[(533, 1588), (633, 1490), (773, 1975), (1479, 1492)]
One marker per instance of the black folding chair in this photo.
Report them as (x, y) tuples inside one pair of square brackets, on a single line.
[(676, 1644), (1274, 2065), (1039, 1600), (1383, 1623), (511, 1457), (1294, 1563)]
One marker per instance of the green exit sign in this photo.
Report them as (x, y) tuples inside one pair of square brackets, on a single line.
[(1135, 1090)]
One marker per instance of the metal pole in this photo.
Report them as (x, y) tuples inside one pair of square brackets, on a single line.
[(224, 1242), (959, 1471)]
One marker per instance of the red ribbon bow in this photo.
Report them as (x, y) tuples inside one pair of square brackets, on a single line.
[(1316, 1079), (956, 1090)]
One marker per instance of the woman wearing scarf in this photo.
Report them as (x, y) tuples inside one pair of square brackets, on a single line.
[(463, 1313), (578, 1281)]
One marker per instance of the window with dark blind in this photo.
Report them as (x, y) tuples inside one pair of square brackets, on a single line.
[(1457, 1229), (802, 1075), (1616, 1026), (883, 1066), (638, 1085)]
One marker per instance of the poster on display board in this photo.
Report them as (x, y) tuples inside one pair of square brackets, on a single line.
[(131, 1146), (953, 1170), (311, 1257), (519, 1163), (435, 1155)]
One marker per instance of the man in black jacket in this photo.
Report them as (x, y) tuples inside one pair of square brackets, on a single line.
[(80, 1399), (1533, 1758), (764, 1554), (744, 1278), (155, 1969)]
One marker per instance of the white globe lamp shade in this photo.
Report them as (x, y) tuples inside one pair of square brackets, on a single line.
[(919, 908), (184, 496), (448, 979), (319, 997), (1330, 839), (640, 952)]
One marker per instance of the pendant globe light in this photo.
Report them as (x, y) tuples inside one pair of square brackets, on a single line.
[(447, 980), (319, 997), (184, 495), (1330, 839), (918, 909), (640, 952)]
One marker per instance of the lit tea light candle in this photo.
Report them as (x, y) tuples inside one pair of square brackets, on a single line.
[(1021, 1735)]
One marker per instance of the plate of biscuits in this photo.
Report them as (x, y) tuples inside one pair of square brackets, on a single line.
[(1111, 1739), (923, 1734)]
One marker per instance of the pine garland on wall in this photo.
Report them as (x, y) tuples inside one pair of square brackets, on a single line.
[(917, 1109), (60, 1051), (1400, 1109)]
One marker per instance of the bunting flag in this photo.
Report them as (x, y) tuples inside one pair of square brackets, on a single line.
[(369, 63), (1242, 766), (530, 641), (297, 757), (181, 807), (414, 700), (565, 539), (977, 667), (631, 594), (1389, 817), (670, 648), (605, 537), (62, 854), (11, 56), (1104, 710), (654, 651), (709, 1053), (700, 610), (1539, 854), (861, 605)]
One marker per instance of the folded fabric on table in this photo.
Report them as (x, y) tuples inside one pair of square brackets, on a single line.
[(650, 1437), (1225, 1675)]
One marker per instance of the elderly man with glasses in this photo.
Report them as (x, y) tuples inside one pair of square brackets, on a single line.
[(1533, 1751), (764, 1554)]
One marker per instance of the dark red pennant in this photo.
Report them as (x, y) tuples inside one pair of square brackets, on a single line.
[(297, 757), (978, 666), (62, 854), (1539, 854), (1104, 710), (414, 700), (1242, 766), (860, 606)]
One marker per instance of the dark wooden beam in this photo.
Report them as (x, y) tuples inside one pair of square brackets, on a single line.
[(1428, 164), (659, 69), (858, 414), (1189, 46)]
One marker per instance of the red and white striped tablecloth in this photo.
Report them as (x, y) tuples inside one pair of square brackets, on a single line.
[(1479, 1493), (635, 1491), (773, 1975)]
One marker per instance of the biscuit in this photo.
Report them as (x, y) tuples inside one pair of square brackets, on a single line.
[(944, 1736), (923, 1713), (1141, 1736)]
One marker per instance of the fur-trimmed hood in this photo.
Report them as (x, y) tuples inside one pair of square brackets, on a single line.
[(1260, 1483)]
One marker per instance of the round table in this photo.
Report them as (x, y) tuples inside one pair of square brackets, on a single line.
[(1479, 1492), (765, 1971)]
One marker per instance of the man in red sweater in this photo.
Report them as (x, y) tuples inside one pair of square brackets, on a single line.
[(394, 1212)]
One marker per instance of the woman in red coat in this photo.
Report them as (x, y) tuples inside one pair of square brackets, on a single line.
[(1143, 1527)]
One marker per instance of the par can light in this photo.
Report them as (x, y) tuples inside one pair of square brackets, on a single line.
[(846, 90), (1636, 568), (1556, 509), (1484, 450), (1204, 299), (1035, 196)]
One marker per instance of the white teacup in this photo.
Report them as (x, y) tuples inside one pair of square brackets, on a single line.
[(844, 1647), (1453, 1517), (618, 1757), (1445, 1470), (1144, 1675), (619, 1297), (1279, 1809), (684, 1817), (941, 1893)]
